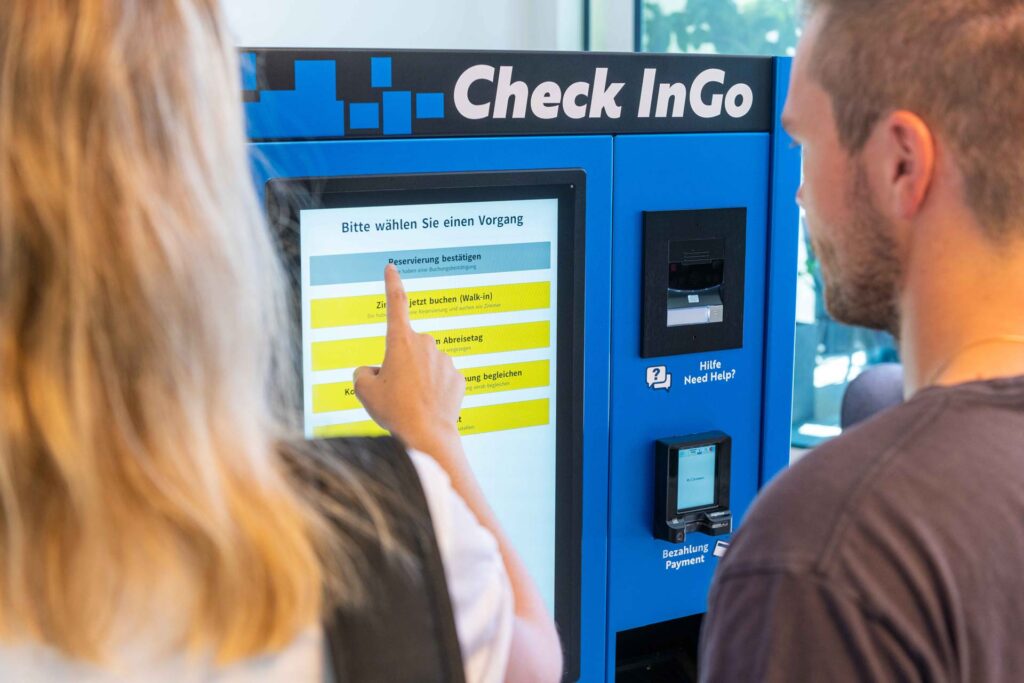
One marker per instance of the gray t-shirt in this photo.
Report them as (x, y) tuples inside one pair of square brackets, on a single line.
[(893, 553)]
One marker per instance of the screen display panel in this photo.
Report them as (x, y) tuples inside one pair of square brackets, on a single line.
[(492, 264), (696, 481)]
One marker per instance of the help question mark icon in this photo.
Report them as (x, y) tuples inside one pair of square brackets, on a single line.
[(658, 377)]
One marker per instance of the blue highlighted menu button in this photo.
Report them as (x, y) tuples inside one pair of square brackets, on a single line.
[(343, 269)]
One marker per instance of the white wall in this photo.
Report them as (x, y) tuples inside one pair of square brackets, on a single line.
[(612, 25), (421, 24)]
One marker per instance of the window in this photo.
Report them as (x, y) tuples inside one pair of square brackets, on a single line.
[(741, 27), (829, 355)]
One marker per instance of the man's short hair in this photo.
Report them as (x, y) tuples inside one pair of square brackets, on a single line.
[(958, 64)]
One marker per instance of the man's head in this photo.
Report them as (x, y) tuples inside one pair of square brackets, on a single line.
[(902, 107)]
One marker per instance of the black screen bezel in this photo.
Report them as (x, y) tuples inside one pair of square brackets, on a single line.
[(663, 229), (668, 496), (285, 197)]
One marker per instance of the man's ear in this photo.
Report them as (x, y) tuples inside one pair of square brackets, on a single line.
[(902, 152)]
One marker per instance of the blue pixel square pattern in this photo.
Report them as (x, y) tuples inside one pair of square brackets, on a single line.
[(397, 112), (430, 105), (364, 115), (248, 60), (310, 110), (380, 72)]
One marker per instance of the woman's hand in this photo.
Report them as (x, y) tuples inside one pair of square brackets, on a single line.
[(416, 393)]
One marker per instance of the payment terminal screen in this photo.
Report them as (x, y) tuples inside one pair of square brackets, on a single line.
[(696, 477), (481, 269)]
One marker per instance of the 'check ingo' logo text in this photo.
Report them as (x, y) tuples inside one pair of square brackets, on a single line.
[(314, 108), (706, 95)]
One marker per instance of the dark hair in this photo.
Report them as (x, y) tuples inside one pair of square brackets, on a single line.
[(958, 64)]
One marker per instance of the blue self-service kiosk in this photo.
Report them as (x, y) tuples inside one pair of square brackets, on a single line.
[(606, 246)]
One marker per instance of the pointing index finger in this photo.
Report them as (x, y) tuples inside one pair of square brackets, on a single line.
[(397, 300)]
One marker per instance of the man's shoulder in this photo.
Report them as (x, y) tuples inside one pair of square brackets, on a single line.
[(893, 531), (805, 510)]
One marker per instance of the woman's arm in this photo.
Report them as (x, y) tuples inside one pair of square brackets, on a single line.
[(536, 653), (416, 394)]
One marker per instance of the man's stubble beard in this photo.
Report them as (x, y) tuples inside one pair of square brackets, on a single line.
[(863, 292)]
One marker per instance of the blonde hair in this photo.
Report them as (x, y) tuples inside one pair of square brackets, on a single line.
[(142, 317)]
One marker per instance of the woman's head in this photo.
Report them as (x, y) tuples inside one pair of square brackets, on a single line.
[(141, 322)]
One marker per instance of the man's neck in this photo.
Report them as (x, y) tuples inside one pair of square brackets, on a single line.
[(962, 311)]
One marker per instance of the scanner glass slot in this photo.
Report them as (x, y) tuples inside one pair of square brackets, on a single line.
[(696, 479), (695, 284)]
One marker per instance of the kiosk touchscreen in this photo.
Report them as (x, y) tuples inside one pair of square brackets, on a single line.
[(492, 263)]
